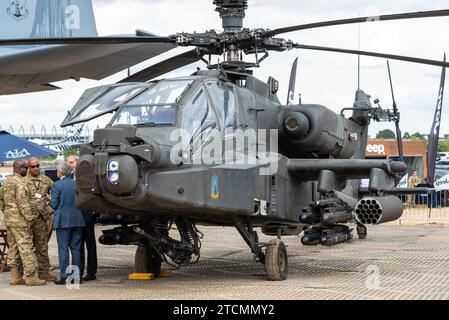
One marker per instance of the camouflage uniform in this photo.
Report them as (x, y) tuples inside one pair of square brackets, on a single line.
[(413, 181), (38, 189), (17, 216)]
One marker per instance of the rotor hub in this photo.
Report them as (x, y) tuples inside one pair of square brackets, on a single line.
[(232, 13)]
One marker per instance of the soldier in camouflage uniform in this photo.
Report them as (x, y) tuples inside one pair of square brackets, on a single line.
[(412, 182), (19, 220), (39, 187)]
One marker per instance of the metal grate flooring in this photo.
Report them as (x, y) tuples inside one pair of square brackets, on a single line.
[(412, 263)]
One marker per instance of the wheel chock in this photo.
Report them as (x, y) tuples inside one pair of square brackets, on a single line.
[(141, 276), (165, 273)]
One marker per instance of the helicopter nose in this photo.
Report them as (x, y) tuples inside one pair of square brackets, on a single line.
[(105, 173)]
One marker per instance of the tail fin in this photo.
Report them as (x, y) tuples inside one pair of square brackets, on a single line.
[(46, 19)]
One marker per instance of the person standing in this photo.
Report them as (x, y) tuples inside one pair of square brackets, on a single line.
[(89, 241), (413, 181), (68, 223), (39, 187), (19, 220)]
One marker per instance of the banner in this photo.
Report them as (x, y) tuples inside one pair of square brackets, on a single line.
[(292, 85), (435, 133), (404, 182), (442, 184)]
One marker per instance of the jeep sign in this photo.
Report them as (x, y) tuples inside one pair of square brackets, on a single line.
[(376, 148)]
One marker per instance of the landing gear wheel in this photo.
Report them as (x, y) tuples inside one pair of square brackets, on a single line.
[(362, 231), (276, 261), (147, 261)]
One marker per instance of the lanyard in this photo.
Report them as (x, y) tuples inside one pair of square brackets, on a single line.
[(37, 186)]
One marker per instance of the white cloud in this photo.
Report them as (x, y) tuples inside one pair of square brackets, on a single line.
[(324, 78)]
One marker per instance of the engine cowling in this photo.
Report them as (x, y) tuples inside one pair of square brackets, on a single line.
[(316, 130)]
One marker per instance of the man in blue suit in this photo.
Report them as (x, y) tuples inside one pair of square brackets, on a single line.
[(88, 235), (68, 223)]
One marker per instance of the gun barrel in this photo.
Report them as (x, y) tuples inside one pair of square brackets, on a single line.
[(401, 191), (351, 169)]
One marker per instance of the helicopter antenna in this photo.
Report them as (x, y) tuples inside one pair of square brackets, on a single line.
[(396, 117), (292, 84), (358, 58)]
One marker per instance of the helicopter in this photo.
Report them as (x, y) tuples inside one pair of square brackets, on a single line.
[(218, 148)]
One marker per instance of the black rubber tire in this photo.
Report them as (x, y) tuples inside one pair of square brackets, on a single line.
[(362, 232), (276, 261), (147, 261)]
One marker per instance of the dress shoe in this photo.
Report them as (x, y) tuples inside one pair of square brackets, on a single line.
[(90, 277), (61, 282)]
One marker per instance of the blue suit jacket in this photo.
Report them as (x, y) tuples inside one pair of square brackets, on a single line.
[(63, 202)]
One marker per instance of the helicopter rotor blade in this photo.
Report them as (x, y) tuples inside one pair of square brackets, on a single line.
[(397, 120), (165, 66), (374, 54), (388, 17), (87, 41)]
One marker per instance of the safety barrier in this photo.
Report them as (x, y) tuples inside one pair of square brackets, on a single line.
[(431, 207)]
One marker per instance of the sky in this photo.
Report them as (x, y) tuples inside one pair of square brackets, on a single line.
[(324, 78)]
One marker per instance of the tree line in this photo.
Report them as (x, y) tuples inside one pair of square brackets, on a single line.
[(389, 134)]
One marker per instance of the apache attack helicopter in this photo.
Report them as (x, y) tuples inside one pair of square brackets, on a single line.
[(147, 170)]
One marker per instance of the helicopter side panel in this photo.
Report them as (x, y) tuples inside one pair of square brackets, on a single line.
[(215, 190)]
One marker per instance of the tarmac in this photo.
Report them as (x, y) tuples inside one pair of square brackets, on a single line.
[(394, 263)]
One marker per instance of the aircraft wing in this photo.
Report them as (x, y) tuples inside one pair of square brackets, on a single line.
[(34, 69)]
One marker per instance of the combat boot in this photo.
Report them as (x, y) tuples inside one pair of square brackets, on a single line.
[(49, 277), (33, 281), (17, 277)]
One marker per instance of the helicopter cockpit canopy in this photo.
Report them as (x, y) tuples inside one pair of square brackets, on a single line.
[(156, 106), (147, 115), (99, 101), (161, 97)]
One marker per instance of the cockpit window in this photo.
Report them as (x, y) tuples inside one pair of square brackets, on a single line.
[(99, 101), (156, 106), (223, 98), (164, 92), (198, 120), (147, 115)]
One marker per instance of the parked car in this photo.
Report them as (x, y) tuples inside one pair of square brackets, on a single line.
[(443, 164), (439, 173), (443, 156)]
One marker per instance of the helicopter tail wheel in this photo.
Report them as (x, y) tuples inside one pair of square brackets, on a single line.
[(147, 260), (276, 261)]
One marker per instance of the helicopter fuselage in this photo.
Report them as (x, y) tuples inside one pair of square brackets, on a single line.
[(216, 150)]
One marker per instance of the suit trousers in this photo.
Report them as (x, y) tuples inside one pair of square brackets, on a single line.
[(91, 246), (69, 239)]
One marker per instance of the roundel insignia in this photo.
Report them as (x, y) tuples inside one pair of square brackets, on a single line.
[(215, 188)]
